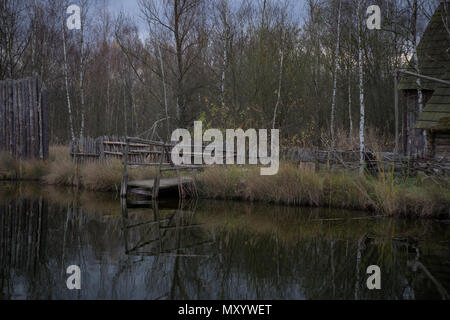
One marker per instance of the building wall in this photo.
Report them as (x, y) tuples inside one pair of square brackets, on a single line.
[(413, 139), (441, 147)]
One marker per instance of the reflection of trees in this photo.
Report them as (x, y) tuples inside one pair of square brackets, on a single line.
[(241, 252), (23, 244), (173, 238)]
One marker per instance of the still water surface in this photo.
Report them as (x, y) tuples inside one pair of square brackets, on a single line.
[(210, 250)]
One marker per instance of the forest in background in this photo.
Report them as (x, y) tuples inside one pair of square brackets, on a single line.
[(232, 64)]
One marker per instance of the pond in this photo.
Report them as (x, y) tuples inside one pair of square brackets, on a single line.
[(210, 250)]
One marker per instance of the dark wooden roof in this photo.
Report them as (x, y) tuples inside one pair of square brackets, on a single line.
[(434, 61), (433, 52)]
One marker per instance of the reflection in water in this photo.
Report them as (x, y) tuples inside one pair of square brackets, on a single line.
[(211, 250)]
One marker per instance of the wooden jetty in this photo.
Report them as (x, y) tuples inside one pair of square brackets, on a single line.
[(166, 186), (152, 188), (163, 184)]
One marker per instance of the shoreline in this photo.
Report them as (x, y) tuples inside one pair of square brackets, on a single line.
[(385, 194)]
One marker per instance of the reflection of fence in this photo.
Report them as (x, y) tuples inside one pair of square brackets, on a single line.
[(24, 118), (22, 236), (176, 234)]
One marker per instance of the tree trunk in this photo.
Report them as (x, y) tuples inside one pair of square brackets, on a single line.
[(418, 144), (336, 68), (361, 92), (165, 92), (82, 77), (66, 78), (280, 79)]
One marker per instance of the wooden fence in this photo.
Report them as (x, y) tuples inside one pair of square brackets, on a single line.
[(109, 148), (144, 152), (24, 118)]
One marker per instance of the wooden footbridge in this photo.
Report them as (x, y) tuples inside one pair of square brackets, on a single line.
[(157, 154)]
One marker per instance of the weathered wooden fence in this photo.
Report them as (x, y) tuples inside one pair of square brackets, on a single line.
[(374, 161), (24, 118), (23, 239), (109, 148)]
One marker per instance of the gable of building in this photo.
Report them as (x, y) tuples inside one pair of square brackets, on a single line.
[(433, 53)]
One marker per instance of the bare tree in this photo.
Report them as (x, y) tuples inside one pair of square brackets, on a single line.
[(336, 68), (362, 145), (84, 6), (66, 79), (15, 35), (183, 20)]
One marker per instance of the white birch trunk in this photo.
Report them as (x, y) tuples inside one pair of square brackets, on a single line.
[(361, 93), (82, 77), (165, 92), (224, 69), (336, 68), (417, 69), (280, 80), (66, 78), (350, 70), (350, 106), (226, 29)]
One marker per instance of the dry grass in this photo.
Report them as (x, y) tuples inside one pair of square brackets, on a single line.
[(61, 169), (99, 177), (8, 166), (344, 190)]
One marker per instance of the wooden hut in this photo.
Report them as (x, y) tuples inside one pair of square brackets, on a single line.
[(434, 61), (24, 118)]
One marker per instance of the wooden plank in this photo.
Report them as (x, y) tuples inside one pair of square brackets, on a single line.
[(10, 117), (147, 164), (84, 154), (2, 102), (31, 118), (118, 143), (164, 183), (45, 128), (183, 168), (140, 191), (15, 130)]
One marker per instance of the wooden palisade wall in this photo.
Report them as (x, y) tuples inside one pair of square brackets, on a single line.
[(24, 118)]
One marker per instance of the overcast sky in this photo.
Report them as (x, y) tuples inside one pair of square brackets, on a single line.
[(131, 7)]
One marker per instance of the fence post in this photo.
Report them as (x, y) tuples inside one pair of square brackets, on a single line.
[(396, 112), (158, 176), (123, 191)]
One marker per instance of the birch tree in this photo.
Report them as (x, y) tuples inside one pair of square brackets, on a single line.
[(83, 16), (336, 68), (163, 75), (66, 80), (224, 12), (415, 43), (361, 91), (280, 79), (350, 71)]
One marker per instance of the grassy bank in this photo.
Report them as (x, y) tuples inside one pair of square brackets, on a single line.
[(60, 170), (411, 197)]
